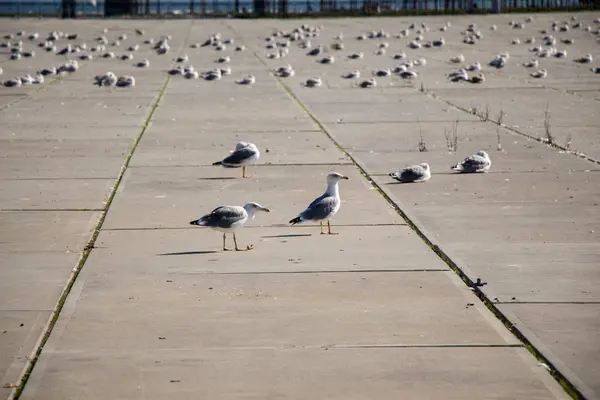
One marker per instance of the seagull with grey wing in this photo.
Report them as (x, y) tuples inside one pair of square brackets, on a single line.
[(244, 153), (414, 173), (479, 162), (228, 219), (324, 207)]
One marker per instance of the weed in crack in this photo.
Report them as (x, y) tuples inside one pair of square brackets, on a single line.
[(452, 138), (500, 120), (568, 142), (547, 127), (498, 143), (422, 144)]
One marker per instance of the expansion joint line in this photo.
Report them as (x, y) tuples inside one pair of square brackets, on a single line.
[(554, 372), (47, 331)]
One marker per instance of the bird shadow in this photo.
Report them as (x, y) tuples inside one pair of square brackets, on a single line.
[(225, 178), (188, 253), (287, 236)]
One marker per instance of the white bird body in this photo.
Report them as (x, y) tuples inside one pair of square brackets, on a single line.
[(324, 207), (413, 173), (228, 219), (479, 162)]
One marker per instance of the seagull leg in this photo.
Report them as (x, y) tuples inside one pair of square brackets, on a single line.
[(249, 247), (329, 229), (243, 171), (224, 247), (321, 225)]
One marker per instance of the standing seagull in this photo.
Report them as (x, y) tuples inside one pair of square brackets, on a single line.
[(479, 162), (325, 206), (414, 173), (227, 219), (244, 153)]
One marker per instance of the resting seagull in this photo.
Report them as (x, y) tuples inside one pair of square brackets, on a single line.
[(414, 173), (243, 154), (479, 162), (227, 219), (325, 206)]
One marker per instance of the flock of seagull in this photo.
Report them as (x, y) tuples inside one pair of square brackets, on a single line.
[(279, 44), (228, 219)]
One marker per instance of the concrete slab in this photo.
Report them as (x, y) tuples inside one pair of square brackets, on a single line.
[(277, 310), (193, 148), (61, 194), (569, 335), (174, 196), (33, 281), (19, 331), (284, 373), (46, 230), (299, 249), (515, 271)]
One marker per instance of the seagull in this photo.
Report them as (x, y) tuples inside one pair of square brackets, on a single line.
[(316, 51), (244, 153), (213, 75), (541, 73), (352, 75), (414, 173), (408, 74), (399, 56), (227, 219), (383, 72), (143, 64), (479, 162), (369, 83), (285, 72), (531, 64), (325, 206), (474, 67), (108, 79), (312, 82), (126, 81), (458, 59), (477, 78), (327, 60), (560, 54), (16, 82), (585, 59), (249, 80)]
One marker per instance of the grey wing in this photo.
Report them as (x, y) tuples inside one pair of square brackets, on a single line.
[(238, 156), (224, 216), (320, 208), (473, 163), (411, 174)]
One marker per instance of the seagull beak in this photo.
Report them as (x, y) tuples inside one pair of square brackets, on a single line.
[(345, 177), (265, 209)]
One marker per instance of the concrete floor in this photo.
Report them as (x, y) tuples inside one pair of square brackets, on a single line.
[(155, 310)]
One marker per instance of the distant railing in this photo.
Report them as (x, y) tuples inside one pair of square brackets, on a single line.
[(252, 8)]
